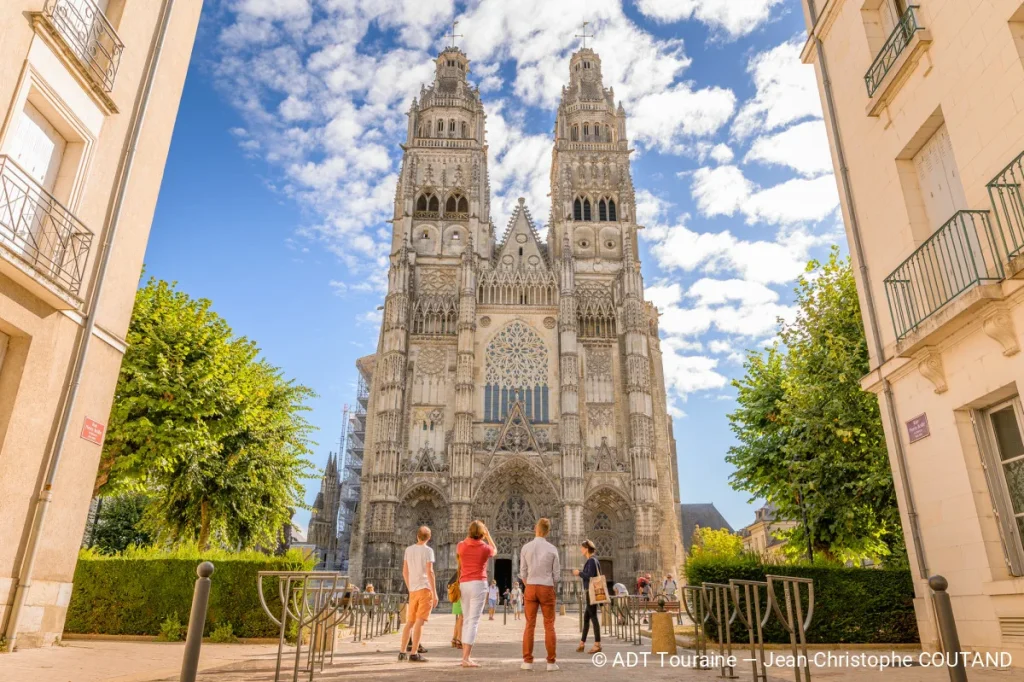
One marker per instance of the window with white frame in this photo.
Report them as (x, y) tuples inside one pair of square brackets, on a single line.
[(1002, 444)]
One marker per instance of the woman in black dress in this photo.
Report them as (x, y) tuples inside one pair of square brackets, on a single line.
[(590, 569)]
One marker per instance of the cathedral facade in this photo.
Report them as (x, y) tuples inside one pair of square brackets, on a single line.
[(517, 377)]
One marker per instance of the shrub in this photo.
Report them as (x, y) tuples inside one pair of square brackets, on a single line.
[(223, 634), (132, 593), (171, 630), (851, 605)]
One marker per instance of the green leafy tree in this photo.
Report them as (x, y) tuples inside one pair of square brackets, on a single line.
[(810, 440), (711, 542), (215, 436), (119, 524)]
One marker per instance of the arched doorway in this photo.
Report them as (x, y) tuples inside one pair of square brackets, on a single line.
[(424, 505), (608, 523), (510, 500)]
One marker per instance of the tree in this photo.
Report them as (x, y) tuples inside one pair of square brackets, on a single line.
[(810, 440), (713, 542), (119, 524), (214, 435)]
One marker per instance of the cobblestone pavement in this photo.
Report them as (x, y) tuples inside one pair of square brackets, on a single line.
[(498, 650)]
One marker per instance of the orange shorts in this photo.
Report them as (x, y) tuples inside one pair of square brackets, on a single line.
[(421, 603)]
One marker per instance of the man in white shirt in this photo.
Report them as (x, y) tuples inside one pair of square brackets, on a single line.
[(539, 569), (620, 590), (418, 571)]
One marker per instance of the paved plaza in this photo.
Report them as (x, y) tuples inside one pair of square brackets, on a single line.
[(499, 651)]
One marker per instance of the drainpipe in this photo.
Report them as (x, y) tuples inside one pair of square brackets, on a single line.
[(869, 305), (23, 578)]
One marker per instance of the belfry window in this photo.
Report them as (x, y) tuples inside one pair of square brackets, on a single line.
[(602, 210), (465, 129), (586, 209), (611, 209), (440, 125), (586, 129), (577, 209), (575, 133)]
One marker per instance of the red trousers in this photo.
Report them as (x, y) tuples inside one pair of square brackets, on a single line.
[(542, 596)]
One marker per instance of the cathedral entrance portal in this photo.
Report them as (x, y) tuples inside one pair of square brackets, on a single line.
[(503, 576)]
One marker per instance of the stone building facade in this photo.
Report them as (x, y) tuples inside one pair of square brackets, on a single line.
[(517, 378), (89, 92), (924, 106)]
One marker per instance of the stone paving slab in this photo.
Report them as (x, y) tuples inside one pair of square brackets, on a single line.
[(498, 649)]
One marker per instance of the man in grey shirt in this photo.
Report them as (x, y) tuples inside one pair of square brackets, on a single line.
[(539, 569)]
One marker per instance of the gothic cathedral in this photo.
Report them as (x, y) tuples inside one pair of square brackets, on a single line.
[(514, 378)]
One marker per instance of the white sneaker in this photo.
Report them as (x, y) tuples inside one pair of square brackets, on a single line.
[(553, 667), (526, 666)]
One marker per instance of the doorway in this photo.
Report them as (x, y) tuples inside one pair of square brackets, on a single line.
[(503, 576), (607, 570)]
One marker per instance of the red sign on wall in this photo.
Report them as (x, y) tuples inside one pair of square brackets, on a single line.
[(92, 431)]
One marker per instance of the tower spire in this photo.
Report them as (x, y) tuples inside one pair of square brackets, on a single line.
[(584, 35)]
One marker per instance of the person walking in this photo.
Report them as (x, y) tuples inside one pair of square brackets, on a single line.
[(492, 598), (669, 587), (455, 597), (418, 572), (590, 569), (474, 552), (539, 569), (516, 597)]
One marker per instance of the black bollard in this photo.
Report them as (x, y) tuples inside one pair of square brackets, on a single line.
[(196, 623), (947, 628)]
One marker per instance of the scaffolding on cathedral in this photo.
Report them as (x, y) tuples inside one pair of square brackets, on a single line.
[(352, 471)]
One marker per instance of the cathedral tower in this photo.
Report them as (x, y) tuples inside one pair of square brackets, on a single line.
[(517, 378)]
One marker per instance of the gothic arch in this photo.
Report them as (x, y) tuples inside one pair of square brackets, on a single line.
[(514, 491), (608, 523), (423, 504)]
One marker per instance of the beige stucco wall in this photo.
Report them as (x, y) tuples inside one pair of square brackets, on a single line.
[(969, 77), (37, 367)]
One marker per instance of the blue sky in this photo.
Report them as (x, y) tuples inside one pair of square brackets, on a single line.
[(283, 165)]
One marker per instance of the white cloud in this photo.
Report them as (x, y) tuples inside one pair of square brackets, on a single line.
[(786, 91), (663, 120), (725, 191), (688, 373), (802, 147), (734, 17)]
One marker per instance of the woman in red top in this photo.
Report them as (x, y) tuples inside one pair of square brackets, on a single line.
[(474, 553)]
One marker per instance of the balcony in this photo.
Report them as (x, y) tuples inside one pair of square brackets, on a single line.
[(1004, 191), (87, 37), (44, 246), (898, 54)]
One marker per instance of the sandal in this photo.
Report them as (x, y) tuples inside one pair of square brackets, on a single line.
[(595, 649), (470, 663), (581, 647)]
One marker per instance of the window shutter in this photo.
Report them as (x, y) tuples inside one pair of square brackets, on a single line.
[(939, 179), (1013, 551), (37, 147)]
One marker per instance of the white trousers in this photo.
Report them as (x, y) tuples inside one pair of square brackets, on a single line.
[(474, 596)]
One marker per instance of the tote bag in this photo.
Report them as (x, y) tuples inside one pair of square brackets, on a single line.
[(454, 589), (598, 587)]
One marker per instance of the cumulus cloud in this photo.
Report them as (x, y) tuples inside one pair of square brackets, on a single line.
[(786, 91), (733, 17), (725, 191), (802, 147)]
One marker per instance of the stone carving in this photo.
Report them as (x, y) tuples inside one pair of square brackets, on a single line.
[(999, 326), (485, 321), (599, 361), (437, 282), (517, 356), (549, 323), (931, 369), (431, 361)]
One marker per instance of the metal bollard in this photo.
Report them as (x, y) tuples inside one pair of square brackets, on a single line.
[(947, 627), (196, 622)]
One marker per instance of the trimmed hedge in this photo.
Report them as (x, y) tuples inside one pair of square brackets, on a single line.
[(132, 595), (851, 605)]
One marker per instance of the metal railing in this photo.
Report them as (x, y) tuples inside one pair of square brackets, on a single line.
[(1004, 192), (89, 36), (40, 230), (959, 255), (892, 49)]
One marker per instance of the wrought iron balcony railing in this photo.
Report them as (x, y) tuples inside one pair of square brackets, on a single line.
[(1005, 193), (892, 49), (89, 36), (39, 230), (961, 254)]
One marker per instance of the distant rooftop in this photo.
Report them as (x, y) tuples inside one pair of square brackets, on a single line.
[(705, 515)]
